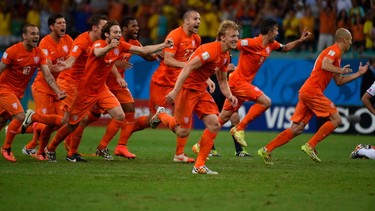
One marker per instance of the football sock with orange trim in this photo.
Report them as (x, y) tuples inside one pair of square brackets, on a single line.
[(61, 134), (324, 131), (45, 135), (255, 111), (48, 119), (76, 140), (12, 131), (168, 121), (281, 139), (207, 141), (112, 128), (126, 129), (180, 145)]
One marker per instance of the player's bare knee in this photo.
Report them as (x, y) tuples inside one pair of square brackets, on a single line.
[(182, 132), (119, 116), (20, 116), (297, 129), (214, 127)]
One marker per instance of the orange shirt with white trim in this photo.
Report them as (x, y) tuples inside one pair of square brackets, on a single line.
[(80, 51), (55, 52), (213, 59), (320, 78), (98, 68), (183, 47), (21, 65), (125, 56), (252, 56)]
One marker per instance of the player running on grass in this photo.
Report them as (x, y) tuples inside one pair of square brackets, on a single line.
[(253, 53), (186, 40), (130, 29), (18, 64), (189, 93), (312, 100), (93, 90)]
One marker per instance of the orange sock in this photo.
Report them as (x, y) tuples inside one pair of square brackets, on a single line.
[(126, 129), (221, 122), (12, 131), (207, 141), (48, 119), (76, 140), (61, 134), (181, 143), (29, 130), (323, 132), (168, 121), (45, 135), (141, 123), (255, 111), (281, 139), (112, 128)]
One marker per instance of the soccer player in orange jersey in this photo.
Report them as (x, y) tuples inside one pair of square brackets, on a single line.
[(56, 45), (70, 79), (253, 52), (18, 64), (130, 29), (186, 40), (312, 100), (93, 89), (189, 93)]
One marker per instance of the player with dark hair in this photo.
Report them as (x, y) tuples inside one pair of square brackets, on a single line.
[(17, 66)]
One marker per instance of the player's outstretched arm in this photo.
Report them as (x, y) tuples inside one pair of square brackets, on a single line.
[(341, 80), (150, 48), (291, 45)]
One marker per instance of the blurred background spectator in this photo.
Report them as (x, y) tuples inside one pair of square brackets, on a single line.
[(157, 17)]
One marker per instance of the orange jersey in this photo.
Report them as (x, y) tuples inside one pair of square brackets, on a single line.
[(80, 51), (183, 47), (125, 56), (21, 65), (252, 56), (213, 59), (319, 78), (55, 52), (98, 68)]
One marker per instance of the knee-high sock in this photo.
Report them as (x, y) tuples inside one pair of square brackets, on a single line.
[(12, 131), (168, 121), (76, 140), (61, 134), (255, 111), (207, 141), (45, 135), (126, 129), (48, 119), (111, 131), (323, 132), (180, 145), (281, 139), (141, 123), (37, 128)]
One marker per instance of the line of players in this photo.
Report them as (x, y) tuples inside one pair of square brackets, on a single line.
[(95, 54)]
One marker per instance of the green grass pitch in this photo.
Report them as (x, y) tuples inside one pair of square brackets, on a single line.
[(154, 182)]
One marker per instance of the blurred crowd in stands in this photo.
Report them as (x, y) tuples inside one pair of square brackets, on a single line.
[(157, 17)]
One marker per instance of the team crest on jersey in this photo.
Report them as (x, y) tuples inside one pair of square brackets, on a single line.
[(225, 60), (66, 49), (193, 43), (75, 117), (36, 59), (244, 42), (97, 45), (331, 53), (205, 55), (15, 105), (44, 111), (45, 51), (186, 119), (268, 50), (75, 48), (5, 55)]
